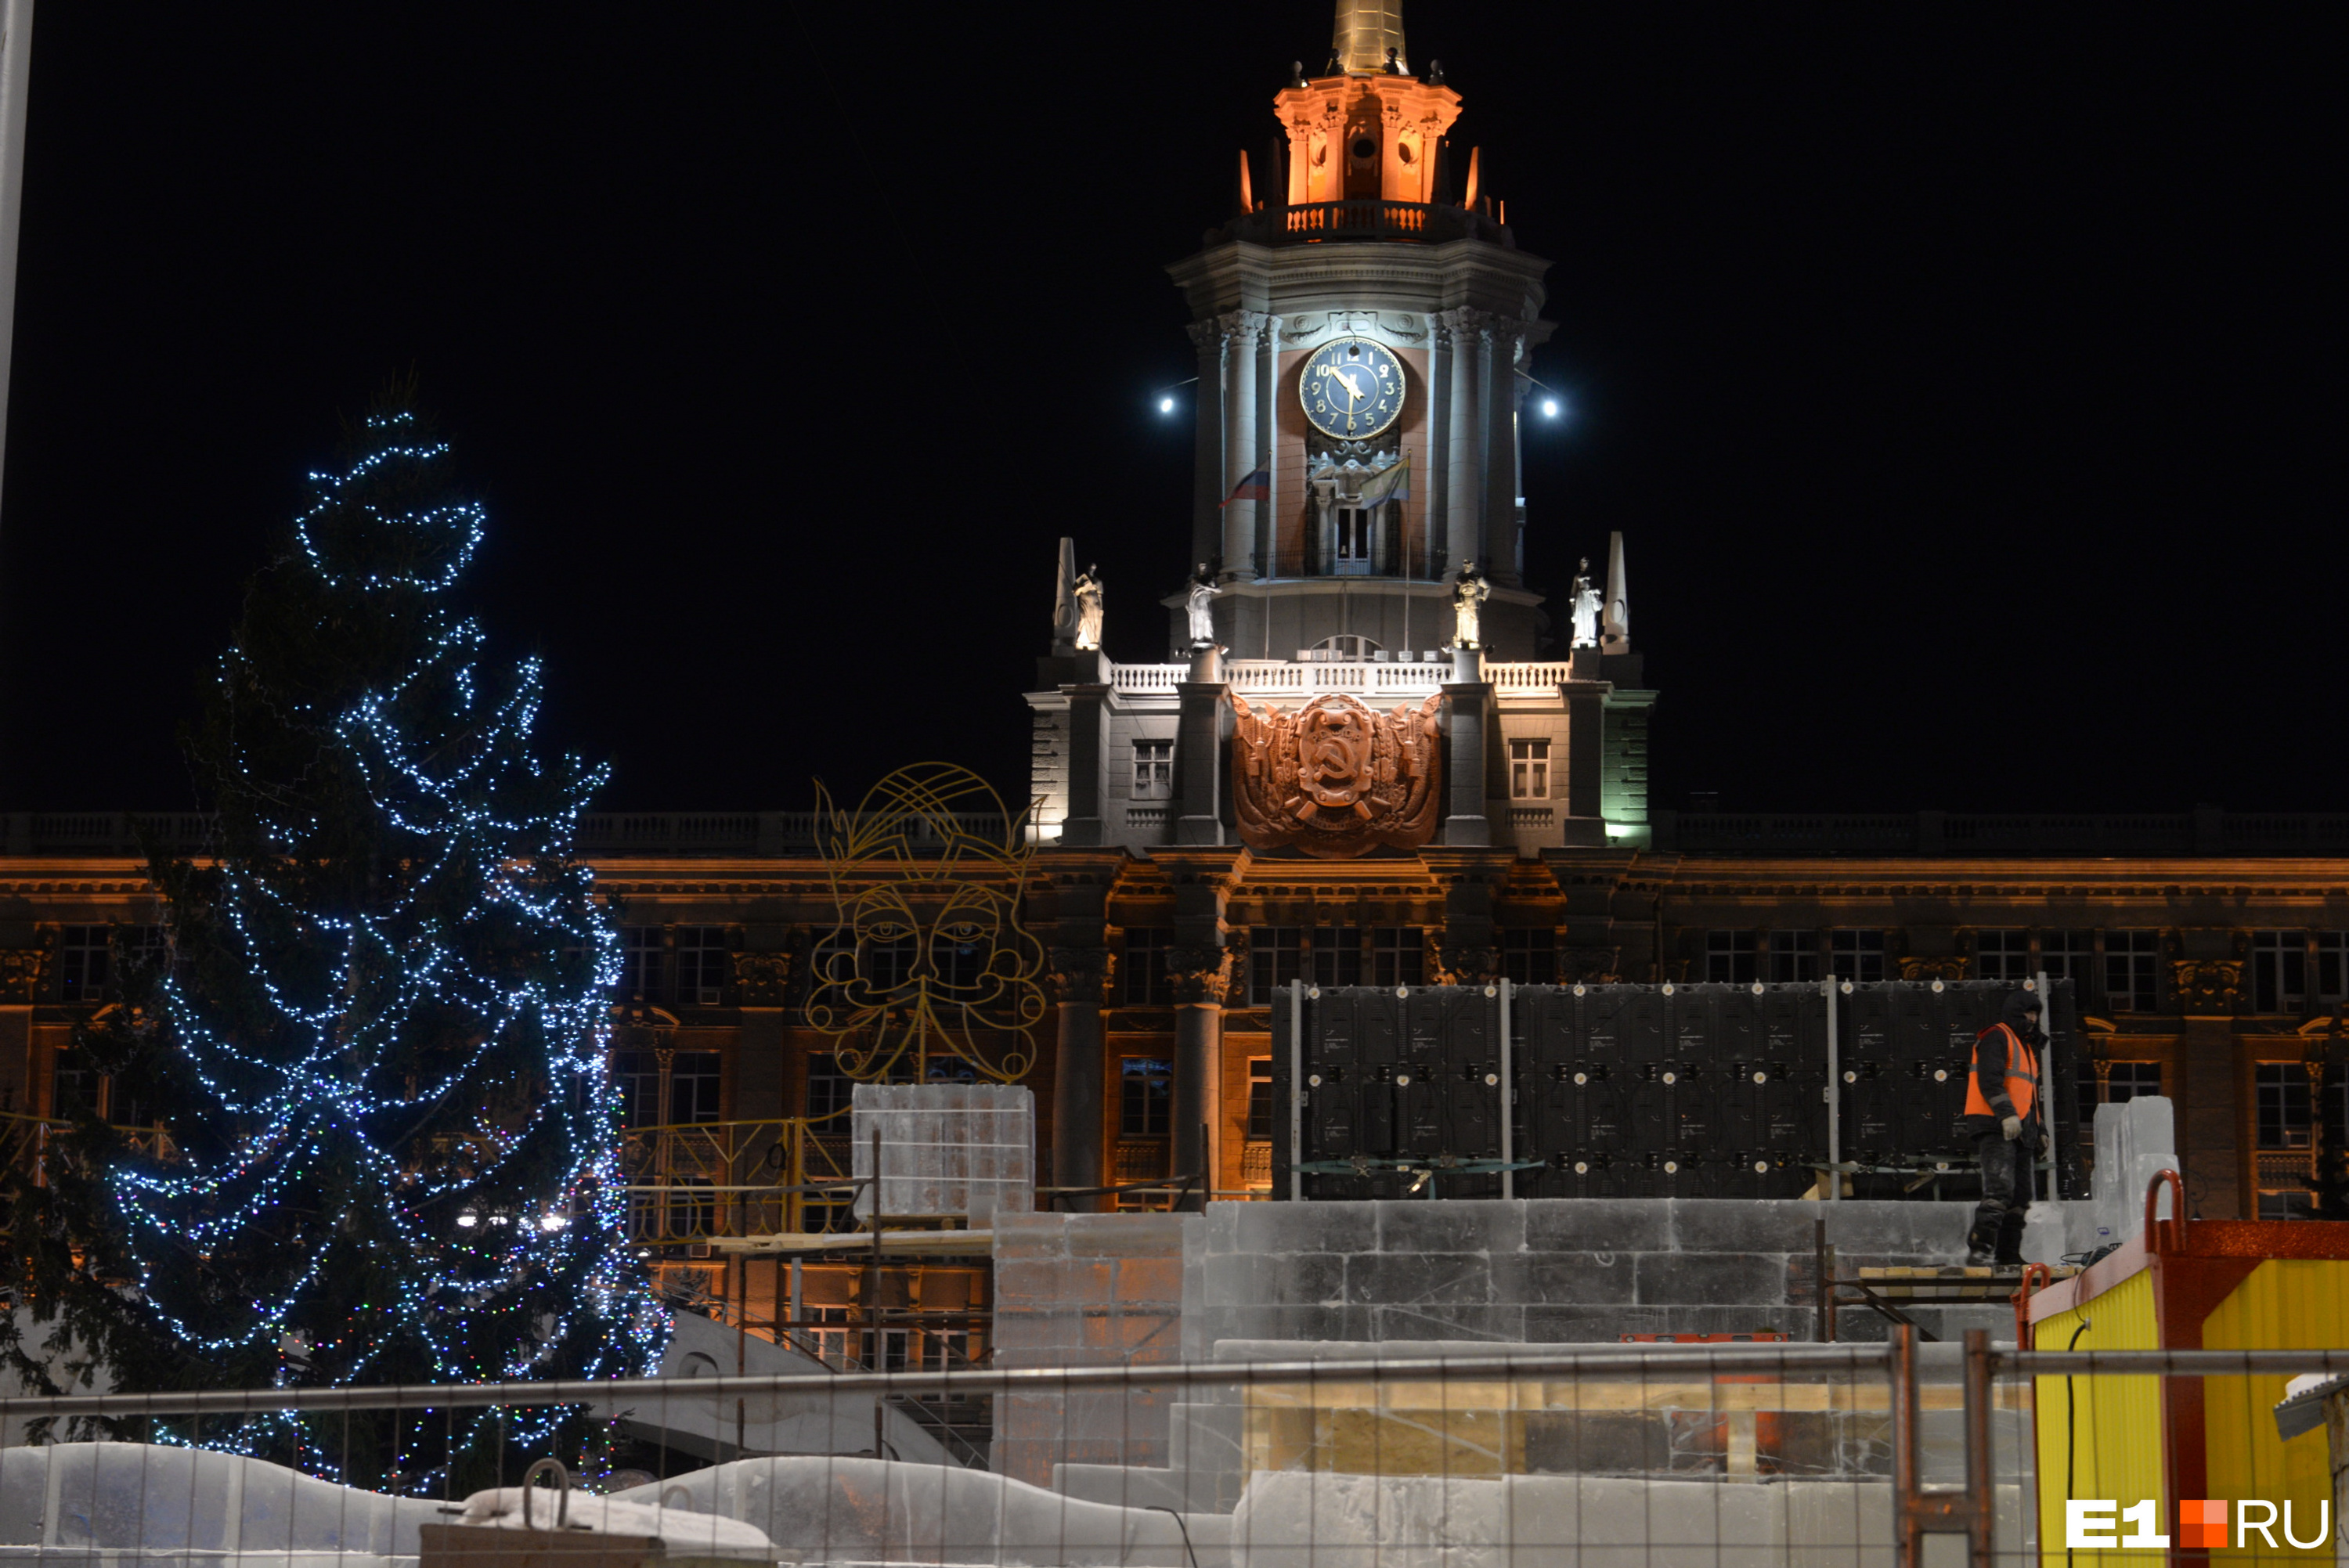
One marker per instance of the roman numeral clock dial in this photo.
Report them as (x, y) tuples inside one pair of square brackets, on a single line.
[(1351, 387)]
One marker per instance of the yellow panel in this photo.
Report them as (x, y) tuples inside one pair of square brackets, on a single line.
[(2117, 1451), (2285, 1304)]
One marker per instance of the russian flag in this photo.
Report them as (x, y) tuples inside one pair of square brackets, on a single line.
[(1257, 486)]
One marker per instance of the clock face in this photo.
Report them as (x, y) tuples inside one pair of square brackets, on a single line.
[(1351, 387)]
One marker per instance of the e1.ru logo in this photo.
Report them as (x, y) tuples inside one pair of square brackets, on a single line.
[(2202, 1523)]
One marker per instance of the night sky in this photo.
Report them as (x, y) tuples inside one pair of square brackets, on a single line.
[(1967, 383)]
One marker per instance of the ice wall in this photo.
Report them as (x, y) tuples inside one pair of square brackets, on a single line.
[(2135, 1140), (946, 1148)]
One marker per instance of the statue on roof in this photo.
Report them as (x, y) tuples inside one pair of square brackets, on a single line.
[(1468, 596), (1201, 606), (1087, 591), (1586, 603)]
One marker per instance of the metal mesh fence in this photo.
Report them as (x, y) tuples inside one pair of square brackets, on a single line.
[(1504, 1456)]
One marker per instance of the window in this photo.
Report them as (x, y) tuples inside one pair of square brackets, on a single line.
[(1355, 534), (693, 1085), (886, 962), (1729, 957), (2331, 966), (1143, 971), (2130, 957), (1337, 955), (2288, 1204), (1276, 957), (73, 1090), (1857, 954), (82, 952), (1146, 1095), (2122, 1081), (637, 1075), (641, 952), (1529, 769), (958, 965), (1398, 955), (2068, 955), (1153, 769), (1529, 957), (2279, 971), (1259, 1122), (2003, 956), (1793, 958), (701, 966), (829, 1090), (2283, 1105)]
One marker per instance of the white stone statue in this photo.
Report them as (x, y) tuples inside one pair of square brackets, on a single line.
[(1088, 591), (1202, 607), (1468, 596), (1586, 603)]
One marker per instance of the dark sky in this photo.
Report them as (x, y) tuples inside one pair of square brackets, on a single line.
[(1966, 382)]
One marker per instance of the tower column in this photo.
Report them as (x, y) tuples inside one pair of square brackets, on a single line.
[(1208, 483), (1462, 445), (1243, 338), (1497, 399), (1436, 510), (1200, 793)]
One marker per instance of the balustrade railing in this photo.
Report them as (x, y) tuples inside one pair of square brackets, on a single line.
[(1321, 223)]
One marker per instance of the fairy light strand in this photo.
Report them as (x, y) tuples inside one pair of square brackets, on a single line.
[(511, 1263)]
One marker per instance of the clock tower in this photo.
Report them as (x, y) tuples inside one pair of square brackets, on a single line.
[(1358, 665), (1356, 248)]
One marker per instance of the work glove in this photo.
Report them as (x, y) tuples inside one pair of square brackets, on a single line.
[(2012, 1127)]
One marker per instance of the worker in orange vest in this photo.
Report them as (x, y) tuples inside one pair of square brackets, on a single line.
[(2002, 1102)]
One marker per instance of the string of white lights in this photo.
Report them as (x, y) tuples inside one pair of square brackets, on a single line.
[(494, 1253)]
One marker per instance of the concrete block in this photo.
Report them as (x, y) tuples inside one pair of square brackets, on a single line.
[(1598, 1225), (1744, 1226), (1401, 1278), (1468, 1225), (1707, 1279)]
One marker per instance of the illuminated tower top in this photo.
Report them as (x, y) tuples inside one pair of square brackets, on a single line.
[(1367, 30)]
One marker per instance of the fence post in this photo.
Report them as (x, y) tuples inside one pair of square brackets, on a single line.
[(1981, 1500), (1906, 1535)]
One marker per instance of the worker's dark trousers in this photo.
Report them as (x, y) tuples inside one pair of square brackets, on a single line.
[(2006, 1193)]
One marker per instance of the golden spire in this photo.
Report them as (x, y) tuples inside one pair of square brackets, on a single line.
[(1367, 30)]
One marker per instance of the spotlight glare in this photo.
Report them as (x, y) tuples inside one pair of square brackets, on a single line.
[(551, 1222), (1549, 407), (1166, 405)]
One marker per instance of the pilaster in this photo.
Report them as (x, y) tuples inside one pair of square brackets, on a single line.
[(1202, 802), (1199, 966), (1467, 709)]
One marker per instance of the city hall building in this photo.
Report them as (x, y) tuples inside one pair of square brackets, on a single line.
[(1375, 753)]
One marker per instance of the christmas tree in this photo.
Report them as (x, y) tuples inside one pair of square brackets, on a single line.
[(376, 1028)]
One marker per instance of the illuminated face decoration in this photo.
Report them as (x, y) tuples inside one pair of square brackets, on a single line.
[(927, 957)]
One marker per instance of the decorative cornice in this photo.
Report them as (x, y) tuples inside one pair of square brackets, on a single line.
[(1078, 975)]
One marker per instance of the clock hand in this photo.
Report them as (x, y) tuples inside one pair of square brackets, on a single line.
[(1347, 383)]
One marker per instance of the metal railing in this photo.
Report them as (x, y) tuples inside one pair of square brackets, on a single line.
[(1638, 1454), (697, 1181)]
